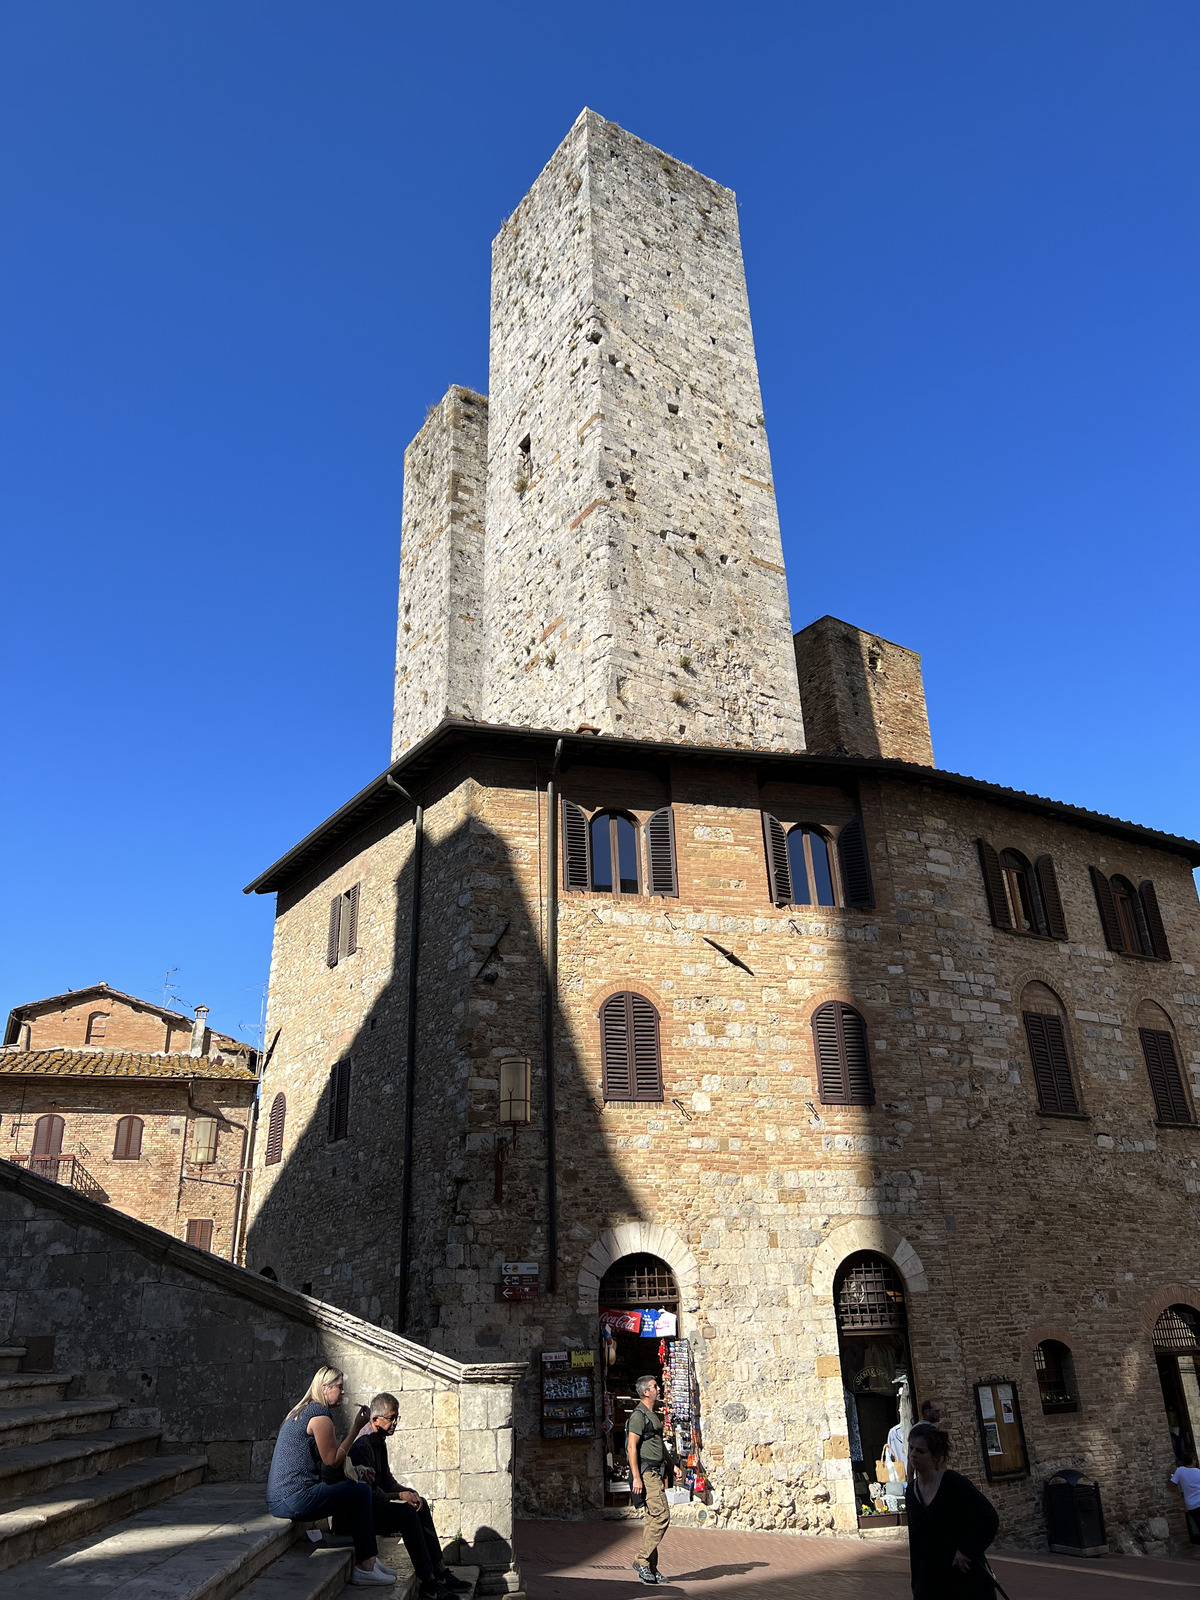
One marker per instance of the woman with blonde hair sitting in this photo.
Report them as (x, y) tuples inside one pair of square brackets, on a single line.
[(295, 1489)]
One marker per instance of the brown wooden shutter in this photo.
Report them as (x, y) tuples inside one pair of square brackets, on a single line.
[(275, 1129), (647, 1060), (1166, 1081), (843, 1061), (128, 1143), (993, 884), (856, 869), (335, 930), (1154, 921), (351, 914), (1056, 922), (1051, 1064), (779, 868), (339, 1101), (200, 1232), (861, 1091), (1107, 910), (577, 847), (616, 1062), (48, 1136), (660, 852)]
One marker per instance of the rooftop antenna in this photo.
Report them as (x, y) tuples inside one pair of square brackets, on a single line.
[(170, 990)]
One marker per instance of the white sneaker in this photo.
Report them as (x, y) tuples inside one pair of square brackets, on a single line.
[(387, 1571), (361, 1575)]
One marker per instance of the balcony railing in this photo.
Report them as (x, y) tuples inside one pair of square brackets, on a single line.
[(67, 1170)]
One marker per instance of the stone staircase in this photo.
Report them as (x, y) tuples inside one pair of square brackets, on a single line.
[(87, 1506)]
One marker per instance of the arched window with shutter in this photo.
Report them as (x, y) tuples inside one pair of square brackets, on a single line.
[(857, 889), (801, 870), (97, 1026), (1046, 1035), (1022, 896), (614, 854), (275, 1127), (48, 1136), (1024, 900), (843, 1062), (630, 1054), (1157, 1036), (810, 867), (127, 1146)]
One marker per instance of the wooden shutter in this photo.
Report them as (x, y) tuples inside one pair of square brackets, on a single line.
[(128, 1143), (339, 1101), (200, 1232), (577, 847), (275, 1129), (1056, 922), (1166, 1081), (616, 1063), (1154, 921), (335, 930), (660, 853), (647, 1062), (993, 884), (1051, 1064), (779, 868), (351, 915), (1108, 911), (48, 1136), (843, 1062), (856, 869)]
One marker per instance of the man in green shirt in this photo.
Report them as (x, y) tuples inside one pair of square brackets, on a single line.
[(648, 1468)]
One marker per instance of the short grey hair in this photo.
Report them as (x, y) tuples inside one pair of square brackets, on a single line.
[(382, 1405), (643, 1384)]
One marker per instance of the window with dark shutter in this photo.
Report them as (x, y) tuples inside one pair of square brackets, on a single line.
[(843, 1063), (335, 931), (1113, 936), (1166, 1081), (200, 1233), (660, 853), (779, 871), (1024, 902), (856, 867), (343, 926), (48, 1136), (577, 855), (630, 1054), (1052, 906), (993, 884), (350, 918), (1131, 918), (127, 1146), (1153, 920), (810, 868), (275, 1129), (339, 1101), (613, 840), (1051, 1063)]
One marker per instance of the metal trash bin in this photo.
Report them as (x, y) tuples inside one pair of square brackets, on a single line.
[(1074, 1515)]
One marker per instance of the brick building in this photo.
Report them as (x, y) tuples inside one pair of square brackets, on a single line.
[(134, 1105), (612, 994)]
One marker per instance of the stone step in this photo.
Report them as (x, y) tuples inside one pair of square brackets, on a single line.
[(21, 1425), (205, 1544), (32, 1526), (30, 1388), (10, 1356), (29, 1469), (307, 1572)]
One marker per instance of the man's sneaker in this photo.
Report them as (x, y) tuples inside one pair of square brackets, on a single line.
[(644, 1572), (447, 1580), (388, 1572), (361, 1575), (660, 1577)]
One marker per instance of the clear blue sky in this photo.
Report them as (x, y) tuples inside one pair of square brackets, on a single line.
[(247, 244)]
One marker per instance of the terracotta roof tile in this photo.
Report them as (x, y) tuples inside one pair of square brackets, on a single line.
[(120, 1064)]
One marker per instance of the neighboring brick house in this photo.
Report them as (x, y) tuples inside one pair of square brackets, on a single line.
[(132, 1104), (857, 1068)]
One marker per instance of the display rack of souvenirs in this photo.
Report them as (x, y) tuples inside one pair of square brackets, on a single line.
[(568, 1394)]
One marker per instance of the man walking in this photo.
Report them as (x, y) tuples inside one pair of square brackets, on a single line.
[(648, 1468)]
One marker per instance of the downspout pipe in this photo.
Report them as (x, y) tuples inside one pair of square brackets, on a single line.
[(548, 1019), (410, 1054)]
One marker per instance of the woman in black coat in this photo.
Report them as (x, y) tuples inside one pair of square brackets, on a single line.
[(950, 1524)]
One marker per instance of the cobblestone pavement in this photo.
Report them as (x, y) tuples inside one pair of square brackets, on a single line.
[(593, 1561)]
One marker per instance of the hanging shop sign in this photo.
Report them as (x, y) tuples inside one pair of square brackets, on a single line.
[(1001, 1434), (518, 1281)]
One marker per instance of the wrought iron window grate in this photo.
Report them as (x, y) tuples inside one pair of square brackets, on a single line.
[(870, 1298), (1178, 1330), (639, 1281)]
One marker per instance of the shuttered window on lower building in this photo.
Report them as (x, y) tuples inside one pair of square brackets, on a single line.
[(275, 1129), (1166, 1081), (127, 1146), (856, 868), (576, 847), (200, 1233), (343, 926), (1051, 1063), (630, 1054), (843, 1062), (339, 1101)]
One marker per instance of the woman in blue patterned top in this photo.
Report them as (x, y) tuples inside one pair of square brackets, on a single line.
[(295, 1490)]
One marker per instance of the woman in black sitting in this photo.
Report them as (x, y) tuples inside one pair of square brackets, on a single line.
[(950, 1524)]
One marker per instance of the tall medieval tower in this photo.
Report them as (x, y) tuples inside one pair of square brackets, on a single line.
[(596, 544)]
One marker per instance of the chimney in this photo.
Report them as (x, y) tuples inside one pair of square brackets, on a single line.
[(23, 1036), (199, 1032)]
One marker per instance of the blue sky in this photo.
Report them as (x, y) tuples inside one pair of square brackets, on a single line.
[(247, 245)]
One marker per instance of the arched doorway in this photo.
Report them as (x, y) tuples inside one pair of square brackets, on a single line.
[(639, 1325), (872, 1321), (1176, 1348)]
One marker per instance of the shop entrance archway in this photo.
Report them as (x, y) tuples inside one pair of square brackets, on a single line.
[(872, 1322), (1176, 1353)]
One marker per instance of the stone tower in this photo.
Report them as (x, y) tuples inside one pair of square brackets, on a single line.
[(632, 576)]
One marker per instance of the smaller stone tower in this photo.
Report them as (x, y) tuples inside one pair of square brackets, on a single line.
[(862, 695)]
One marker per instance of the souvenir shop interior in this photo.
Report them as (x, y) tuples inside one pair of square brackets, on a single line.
[(876, 1382)]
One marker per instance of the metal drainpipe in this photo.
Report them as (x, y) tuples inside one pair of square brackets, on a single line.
[(548, 1020), (410, 1068)]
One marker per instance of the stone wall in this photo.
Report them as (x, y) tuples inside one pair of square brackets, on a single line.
[(862, 695), (215, 1356)]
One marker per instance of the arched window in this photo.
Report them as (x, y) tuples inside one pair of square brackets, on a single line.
[(843, 1063), (48, 1137), (1020, 892), (603, 854), (128, 1144), (97, 1026), (268, 1272), (630, 1059), (1177, 1356), (1046, 1035), (1022, 896), (1056, 1377), (275, 1128), (1157, 1036), (205, 1146), (811, 867), (614, 854), (1129, 917)]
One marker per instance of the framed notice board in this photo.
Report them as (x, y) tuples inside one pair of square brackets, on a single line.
[(568, 1394), (1001, 1434)]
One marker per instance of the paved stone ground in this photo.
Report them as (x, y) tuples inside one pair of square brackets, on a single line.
[(592, 1561)]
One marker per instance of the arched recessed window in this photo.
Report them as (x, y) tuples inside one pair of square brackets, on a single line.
[(48, 1137), (268, 1272), (1020, 891), (801, 869), (1177, 1356), (1129, 916), (843, 1063), (1131, 919), (811, 867), (97, 1026), (1056, 1377), (614, 854), (630, 1059), (127, 1146), (1022, 895), (1157, 1036), (1046, 1034), (204, 1151), (275, 1127), (604, 853)]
